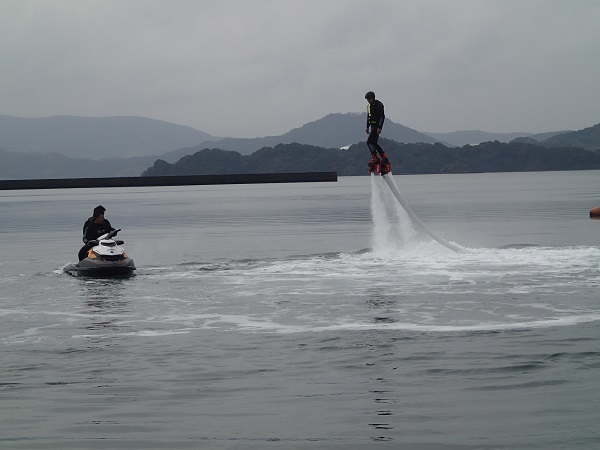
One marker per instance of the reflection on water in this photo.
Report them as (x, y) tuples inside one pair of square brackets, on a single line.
[(382, 305), (105, 303), (381, 391), (384, 402)]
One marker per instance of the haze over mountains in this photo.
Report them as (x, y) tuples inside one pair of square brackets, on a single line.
[(66, 146), (474, 137), (96, 137), (332, 131), (124, 136)]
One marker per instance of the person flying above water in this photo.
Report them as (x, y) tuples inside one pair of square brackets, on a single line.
[(375, 119), (93, 228)]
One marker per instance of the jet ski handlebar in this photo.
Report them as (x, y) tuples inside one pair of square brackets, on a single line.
[(109, 235), (112, 233)]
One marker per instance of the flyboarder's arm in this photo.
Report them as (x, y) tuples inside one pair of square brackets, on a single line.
[(381, 116)]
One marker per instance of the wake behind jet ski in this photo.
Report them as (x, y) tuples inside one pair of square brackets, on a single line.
[(105, 258)]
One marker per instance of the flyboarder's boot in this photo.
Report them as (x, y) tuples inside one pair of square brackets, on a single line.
[(374, 164), (385, 166)]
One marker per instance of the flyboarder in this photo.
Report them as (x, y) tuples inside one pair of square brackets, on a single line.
[(375, 119)]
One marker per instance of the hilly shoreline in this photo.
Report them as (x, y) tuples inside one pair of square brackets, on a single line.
[(87, 141), (419, 158)]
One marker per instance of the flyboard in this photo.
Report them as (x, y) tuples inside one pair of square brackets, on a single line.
[(389, 179)]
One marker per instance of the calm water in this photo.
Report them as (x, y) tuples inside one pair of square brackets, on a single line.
[(307, 316)]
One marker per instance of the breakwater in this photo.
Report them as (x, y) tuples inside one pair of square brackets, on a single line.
[(185, 180)]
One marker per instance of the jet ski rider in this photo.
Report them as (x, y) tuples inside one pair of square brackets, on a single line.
[(93, 228)]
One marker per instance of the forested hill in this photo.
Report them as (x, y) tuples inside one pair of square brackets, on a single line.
[(588, 138), (405, 158)]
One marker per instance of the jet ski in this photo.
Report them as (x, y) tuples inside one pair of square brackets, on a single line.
[(105, 258)]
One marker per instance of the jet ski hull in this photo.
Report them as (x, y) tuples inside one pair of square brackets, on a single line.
[(101, 268)]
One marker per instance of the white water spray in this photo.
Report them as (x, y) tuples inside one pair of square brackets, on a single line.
[(392, 227), (394, 220)]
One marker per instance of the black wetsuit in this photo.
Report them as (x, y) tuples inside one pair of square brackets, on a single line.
[(375, 119), (91, 231)]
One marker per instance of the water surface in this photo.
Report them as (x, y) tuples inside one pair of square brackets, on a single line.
[(307, 316)]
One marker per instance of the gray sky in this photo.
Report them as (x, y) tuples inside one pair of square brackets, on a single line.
[(255, 68)]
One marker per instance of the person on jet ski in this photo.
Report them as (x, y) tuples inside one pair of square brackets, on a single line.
[(93, 228)]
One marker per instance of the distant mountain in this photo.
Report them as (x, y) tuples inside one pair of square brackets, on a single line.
[(339, 130), (28, 165), (474, 137), (96, 137), (332, 131), (67, 147), (415, 158), (543, 136), (588, 138)]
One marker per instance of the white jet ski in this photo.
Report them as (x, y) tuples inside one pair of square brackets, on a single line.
[(105, 258)]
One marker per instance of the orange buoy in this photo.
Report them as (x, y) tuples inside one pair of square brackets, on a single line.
[(595, 212)]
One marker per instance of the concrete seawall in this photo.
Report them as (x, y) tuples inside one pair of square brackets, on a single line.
[(186, 180)]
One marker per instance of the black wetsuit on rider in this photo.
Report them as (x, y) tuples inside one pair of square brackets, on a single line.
[(375, 119), (93, 230)]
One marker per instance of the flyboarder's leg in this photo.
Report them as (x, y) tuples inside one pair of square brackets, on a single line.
[(373, 148), (386, 167), (382, 166)]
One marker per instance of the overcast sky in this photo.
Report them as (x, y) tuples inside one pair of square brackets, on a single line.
[(255, 68)]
